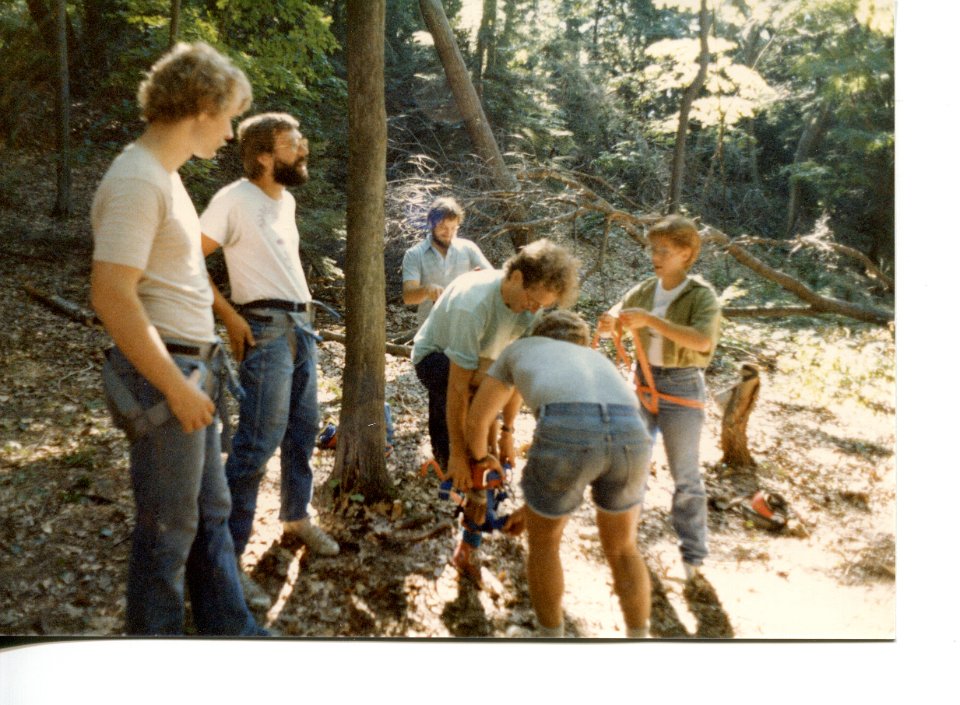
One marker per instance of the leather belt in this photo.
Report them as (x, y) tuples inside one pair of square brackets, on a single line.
[(291, 306)]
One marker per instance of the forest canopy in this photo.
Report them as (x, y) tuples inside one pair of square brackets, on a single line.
[(791, 131)]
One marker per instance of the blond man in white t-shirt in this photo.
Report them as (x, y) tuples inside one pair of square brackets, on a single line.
[(149, 287)]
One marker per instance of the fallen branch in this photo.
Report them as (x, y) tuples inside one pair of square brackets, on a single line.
[(398, 350), (442, 527), (65, 308), (769, 312), (821, 244), (825, 304)]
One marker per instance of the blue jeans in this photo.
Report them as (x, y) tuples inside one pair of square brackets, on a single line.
[(433, 371), (279, 408), (681, 426), (575, 445), (180, 538)]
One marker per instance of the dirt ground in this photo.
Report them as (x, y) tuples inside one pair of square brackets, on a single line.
[(822, 436)]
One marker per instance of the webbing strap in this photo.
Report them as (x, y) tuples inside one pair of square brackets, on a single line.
[(646, 390)]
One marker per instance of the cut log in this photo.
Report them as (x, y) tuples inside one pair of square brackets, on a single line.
[(738, 403)]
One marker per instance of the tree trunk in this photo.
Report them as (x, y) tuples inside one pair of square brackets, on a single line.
[(360, 466), (468, 103), (689, 95), (812, 134), (486, 42), (61, 207), (174, 21), (740, 401)]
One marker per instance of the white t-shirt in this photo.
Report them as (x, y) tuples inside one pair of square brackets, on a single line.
[(661, 302), (142, 217), (261, 243)]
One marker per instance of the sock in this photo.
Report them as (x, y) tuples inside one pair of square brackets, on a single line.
[(638, 632), (549, 633)]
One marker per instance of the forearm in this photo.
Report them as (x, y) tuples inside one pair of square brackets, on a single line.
[(414, 293), (511, 409), (125, 319), (683, 336), (457, 404)]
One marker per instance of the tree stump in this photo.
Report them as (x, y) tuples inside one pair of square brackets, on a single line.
[(739, 402)]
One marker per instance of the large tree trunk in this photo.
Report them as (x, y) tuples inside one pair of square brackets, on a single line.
[(360, 466), (468, 103), (686, 103), (61, 207), (812, 134)]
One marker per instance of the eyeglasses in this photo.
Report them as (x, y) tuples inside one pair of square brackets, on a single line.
[(295, 143), (534, 304), (664, 251)]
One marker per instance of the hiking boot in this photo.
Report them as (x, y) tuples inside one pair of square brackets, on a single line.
[(254, 595), (316, 540), (462, 560)]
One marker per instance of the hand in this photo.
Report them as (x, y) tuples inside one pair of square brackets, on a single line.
[(433, 291), (240, 335), (606, 324), (635, 317), (458, 470), (516, 523), (190, 404), (507, 452)]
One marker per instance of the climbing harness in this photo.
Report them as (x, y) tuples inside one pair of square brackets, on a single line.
[(646, 389), (492, 481)]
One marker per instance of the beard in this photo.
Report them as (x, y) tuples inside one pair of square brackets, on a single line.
[(291, 174)]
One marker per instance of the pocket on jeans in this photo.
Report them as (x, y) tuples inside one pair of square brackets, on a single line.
[(555, 467)]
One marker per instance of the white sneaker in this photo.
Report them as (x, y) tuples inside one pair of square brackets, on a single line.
[(253, 593), (691, 570), (317, 541)]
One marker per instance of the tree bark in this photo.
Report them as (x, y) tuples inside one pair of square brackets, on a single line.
[(468, 103), (812, 134), (174, 21), (740, 401), (486, 42), (686, 103), (62, 207), (360, 465)]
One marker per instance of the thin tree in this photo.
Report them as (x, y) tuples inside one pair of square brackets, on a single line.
[(61, 207), (686, 103), (174, 21), (486, 42), (468, 103), (360, 467)]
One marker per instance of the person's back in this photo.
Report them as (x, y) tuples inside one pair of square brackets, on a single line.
[(589, 434), (549, 371)]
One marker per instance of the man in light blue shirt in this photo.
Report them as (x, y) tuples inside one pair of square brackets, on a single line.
[(475, 318), (439, 258)]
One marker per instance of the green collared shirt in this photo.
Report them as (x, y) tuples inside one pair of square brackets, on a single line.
[(697, 307)]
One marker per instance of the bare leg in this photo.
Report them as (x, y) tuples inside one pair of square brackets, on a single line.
[(544, 570), (631, 582)]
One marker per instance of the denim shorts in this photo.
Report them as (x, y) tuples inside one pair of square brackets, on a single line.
[(604, 446)]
